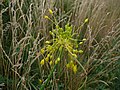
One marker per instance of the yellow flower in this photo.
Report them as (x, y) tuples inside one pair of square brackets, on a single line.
[(81, 43), (42, 62), (51, 57), (51, 12), (75, 51), (84, 39), (80, 51), (42, 50), (68, 65), (47, 42), (75, 69), (57, 27), (71, 64), (74, 55), (49, 47), (47, 59), (86, 20), (40, 81), (46, 17), (58, 60), (51, 62)]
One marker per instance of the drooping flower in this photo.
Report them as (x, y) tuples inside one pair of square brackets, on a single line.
[(80, 51), (46, 17), (58, 60), (75, 69), (40, 81), (51, 12), (84, 39), (81, 43), (51, 62), (42, 62), (42, 51), (86, 20)]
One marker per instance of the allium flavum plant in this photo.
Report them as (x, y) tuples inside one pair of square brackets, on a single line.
[(61, 52)]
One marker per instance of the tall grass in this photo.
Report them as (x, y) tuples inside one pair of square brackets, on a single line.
[(24, 32)]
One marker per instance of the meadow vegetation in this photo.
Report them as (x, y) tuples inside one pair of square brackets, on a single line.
[(60, 44)]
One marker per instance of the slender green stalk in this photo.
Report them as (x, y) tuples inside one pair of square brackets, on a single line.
[(48, 79)]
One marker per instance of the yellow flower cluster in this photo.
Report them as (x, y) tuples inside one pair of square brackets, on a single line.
[(72, 66), (48, 59)]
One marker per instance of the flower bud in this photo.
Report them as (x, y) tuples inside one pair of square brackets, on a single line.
[(50, 11), (42, 62)]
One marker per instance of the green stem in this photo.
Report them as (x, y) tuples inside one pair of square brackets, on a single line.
[(48, 79)]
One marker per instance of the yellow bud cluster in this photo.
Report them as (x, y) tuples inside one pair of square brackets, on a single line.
[(72, 66)]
